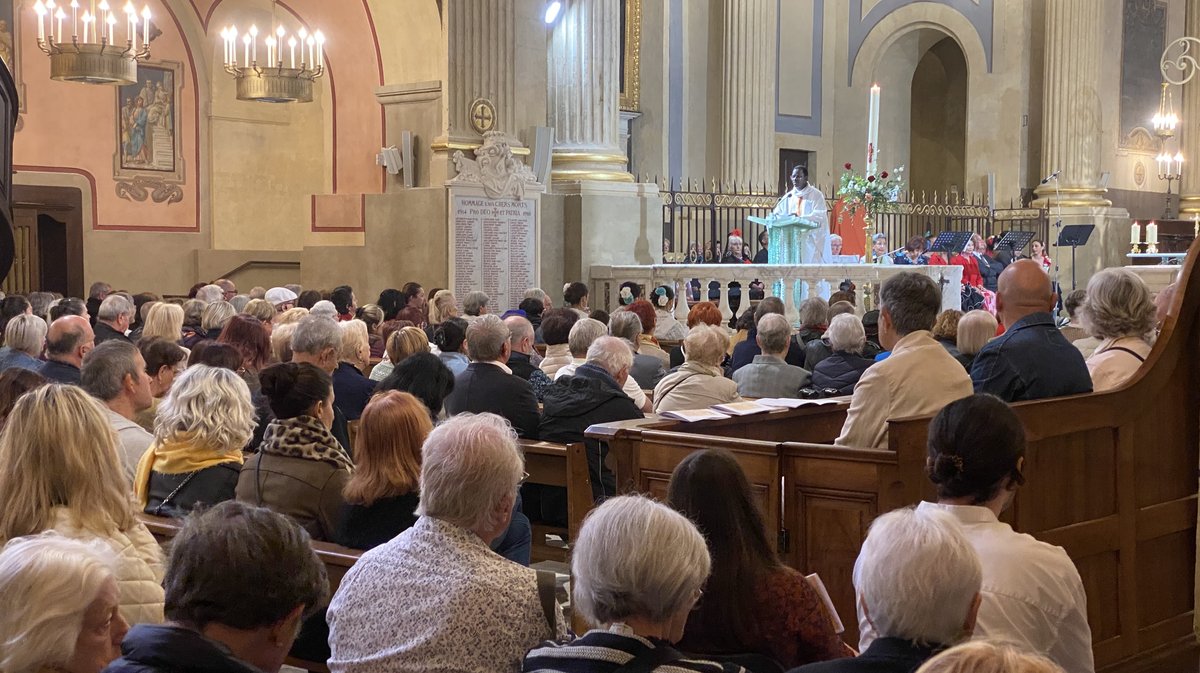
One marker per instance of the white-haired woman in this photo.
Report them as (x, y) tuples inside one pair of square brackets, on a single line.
[(164, 321), (845, 366), (62, 606), (835, 244), (985, 656), (975, 329), (699, 382), (666, 327), (24, 339), (351, 388), (201, 427), (879, 250), (637, 571), (1120, 312), (60, 470)]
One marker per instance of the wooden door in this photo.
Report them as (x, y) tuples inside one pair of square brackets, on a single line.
[(25, 276)]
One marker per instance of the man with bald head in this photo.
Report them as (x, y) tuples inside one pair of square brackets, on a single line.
[(1032, 360), (68, 340)]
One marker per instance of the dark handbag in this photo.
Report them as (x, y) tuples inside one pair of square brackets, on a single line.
[(171, 496)]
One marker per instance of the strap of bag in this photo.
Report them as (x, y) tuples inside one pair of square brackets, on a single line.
[(651, 659), (546, 588), (1125, 350), (171, 496)]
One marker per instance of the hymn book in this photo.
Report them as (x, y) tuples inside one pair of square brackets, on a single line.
[(815, 582)]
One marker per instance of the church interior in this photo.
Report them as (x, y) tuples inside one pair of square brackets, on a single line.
[(879, 279)]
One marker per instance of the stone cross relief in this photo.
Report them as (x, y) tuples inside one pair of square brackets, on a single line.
[(494, 168)]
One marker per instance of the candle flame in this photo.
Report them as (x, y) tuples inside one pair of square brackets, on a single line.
[(253, 30), (145, 12), (40, 8)]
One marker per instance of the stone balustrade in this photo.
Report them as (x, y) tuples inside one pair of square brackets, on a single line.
[(804, 279)]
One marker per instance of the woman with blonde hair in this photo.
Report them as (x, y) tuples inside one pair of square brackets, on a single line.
[(983, 656), (261, 309), (351, 388), (975, 329), (60, 470), (699, 382), (281, 342), (62, 609), (290, 316), (383, 493), (402, 343), (442, 307), (215, 315), (1119, 311), (196, 457), (164, 321)]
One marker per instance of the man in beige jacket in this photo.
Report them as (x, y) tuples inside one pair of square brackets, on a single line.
[(917, 379)]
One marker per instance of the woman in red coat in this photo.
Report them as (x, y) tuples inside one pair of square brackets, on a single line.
[(966, 259)]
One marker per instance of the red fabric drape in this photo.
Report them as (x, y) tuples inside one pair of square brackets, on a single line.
[(854, 238)]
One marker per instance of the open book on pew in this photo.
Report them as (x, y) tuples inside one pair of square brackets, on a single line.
[(795, 403), (815, 582), (692, 415), (744, 408)]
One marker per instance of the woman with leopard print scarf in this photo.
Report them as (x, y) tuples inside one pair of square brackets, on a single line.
[(300, 469)]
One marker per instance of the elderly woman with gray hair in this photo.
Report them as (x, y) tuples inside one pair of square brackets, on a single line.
[(699, 382), (638, 568), (842, 370), (1119, 311)]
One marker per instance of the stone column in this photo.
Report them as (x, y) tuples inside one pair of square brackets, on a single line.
[(1189, 129), (583, 93), (748, 93), (1070, 105), (481, 64)]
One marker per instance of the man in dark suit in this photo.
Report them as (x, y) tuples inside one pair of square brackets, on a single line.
[(113, 319), (488, 384), (1032, 360), (68, 340)]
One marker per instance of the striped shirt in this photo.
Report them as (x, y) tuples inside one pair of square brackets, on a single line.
[(606, 651)]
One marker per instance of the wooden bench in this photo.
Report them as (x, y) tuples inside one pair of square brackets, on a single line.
[(1111, 477)]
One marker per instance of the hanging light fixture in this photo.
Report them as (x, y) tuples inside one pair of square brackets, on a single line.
[(285, 75), (94, 51), (1165, 120)]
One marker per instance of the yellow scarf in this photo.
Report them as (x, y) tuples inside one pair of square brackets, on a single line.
[(176, 456)]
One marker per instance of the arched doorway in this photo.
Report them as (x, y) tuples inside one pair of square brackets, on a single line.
[(938, 117)]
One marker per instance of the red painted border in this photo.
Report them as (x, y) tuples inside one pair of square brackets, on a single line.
[(96, 226), (362, 213), (382, 115), (187, 49)]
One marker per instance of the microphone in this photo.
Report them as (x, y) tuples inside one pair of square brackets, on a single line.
[(1050, 177)]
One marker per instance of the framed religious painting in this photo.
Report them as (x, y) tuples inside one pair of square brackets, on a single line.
[(631, 45), (149, 157)]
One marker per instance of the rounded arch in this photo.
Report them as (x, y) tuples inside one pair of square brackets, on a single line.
[(920, 16)]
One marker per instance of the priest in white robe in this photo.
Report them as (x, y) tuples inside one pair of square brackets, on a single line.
[(808, 202)]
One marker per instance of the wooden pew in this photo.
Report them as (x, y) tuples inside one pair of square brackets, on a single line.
[(1111, 477)]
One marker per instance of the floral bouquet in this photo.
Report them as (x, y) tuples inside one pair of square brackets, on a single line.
[(869, 194)]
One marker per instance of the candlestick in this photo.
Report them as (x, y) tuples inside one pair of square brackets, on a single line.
[(246, 56), (292, 46), (1152, 233), (873, 130), (112, 28), (320, 37), (74, 19), (146, 27), (87, 20), (310, 42), (60, 15), (1179, 163), (40, 9), (101, 28), (280, 33), (1135, 236), (254, 43)]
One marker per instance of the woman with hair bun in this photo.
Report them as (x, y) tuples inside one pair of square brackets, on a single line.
[(667, 328), (1032, 594), (300, 468), (629, 292), (451, 339)]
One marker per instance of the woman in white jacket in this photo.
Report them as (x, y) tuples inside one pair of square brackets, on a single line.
[(60, 471)]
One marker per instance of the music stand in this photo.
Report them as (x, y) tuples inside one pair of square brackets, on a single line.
[(1074, 235), (951, 241), (1014, 240)]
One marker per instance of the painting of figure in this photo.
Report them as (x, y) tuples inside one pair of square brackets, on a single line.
[(146, 113)]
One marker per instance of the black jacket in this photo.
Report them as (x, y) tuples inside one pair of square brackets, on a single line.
[(484, 387), (366, 527), (818, 349), (207, 487), (575, 402), (990, 268), (170, 649), (60, 372), (521, 365), (840, 371), (105, 332), (351, 390), (885, 655)]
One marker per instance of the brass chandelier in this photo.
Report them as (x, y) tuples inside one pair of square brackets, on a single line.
[(94, 51), (281, 77)]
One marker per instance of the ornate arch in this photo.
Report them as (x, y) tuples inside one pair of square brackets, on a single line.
[(914, 17)]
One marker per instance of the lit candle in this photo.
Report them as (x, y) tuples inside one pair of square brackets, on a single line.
[(1152, 233), (1135, 234), (225, 46), (279, 35), (246, 55), (112, 27), (101, 29), (292, 46), (254, 43), (310, 42), (873, 131), (321, 50), (40, 9), (1179, 163), (270, 42), (87, 19), (74, 19), (60, 15), (146, 26), (1196, 229)]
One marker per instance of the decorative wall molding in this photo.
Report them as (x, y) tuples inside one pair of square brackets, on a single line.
[(980, 14), (803, 125), (631, 59), (495, 168), (157, 190)]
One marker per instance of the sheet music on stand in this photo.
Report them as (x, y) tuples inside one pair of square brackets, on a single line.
[(1075, 235), (1014, 240), (951, 241)]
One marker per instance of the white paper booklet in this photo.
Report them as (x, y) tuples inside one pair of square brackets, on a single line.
[(815, 582), (794, 403), (742, 408), (692, 415)]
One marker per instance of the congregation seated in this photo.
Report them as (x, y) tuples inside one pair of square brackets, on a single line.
[(704, 312), (212, 321), (423, 375), (646, 342), (263, 310), (450, 337), (814, 318), (96, 294), (1032, 592), (744, 352), (61, 606), (196, 458), (250, 338), (24, 340), (844, 367), (647, 369), (488, 384), (945, 332), (575, 298), (60, 471), (975, 329), (475, 304), (699, 382), (115, 374), (583, 333), (317, 341), (769, 375), (325, 309), (918, 378), (113, 320), (68, 340), (164, 321), (412, 296), (400, 344), (351, 388), (382, 494), (987, 656), (14, 383), (1071, 327), (344, 301), (436, 597), (534, 307), (819, 349), (1032, 360), (300, 468), (520, 357), (229, 607), (1118, 311), (591, 394), (917, 580), (556, 331), (637, 570), (666, 327), (67, 306), (12, 306), (753, 603)]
